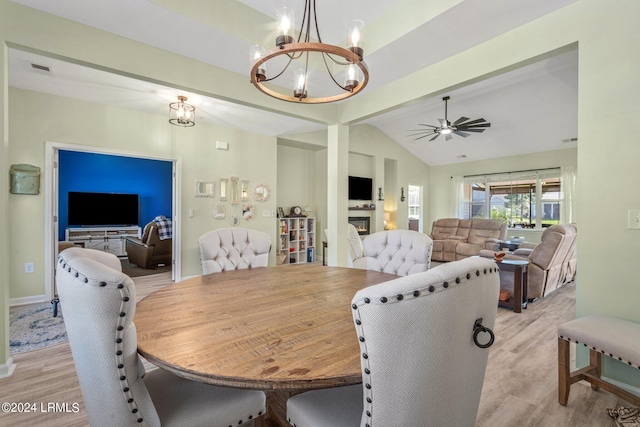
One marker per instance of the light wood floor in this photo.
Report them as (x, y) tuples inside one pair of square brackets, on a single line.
[(519, 390)]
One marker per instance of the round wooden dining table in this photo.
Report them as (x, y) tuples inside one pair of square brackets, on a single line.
[(283, 329)]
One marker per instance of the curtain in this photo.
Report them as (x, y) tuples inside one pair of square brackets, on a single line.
[(567, 194), (456, 196)]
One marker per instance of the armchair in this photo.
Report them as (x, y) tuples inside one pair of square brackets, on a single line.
[(149, 251), (99, 306), (552, 262), (400, 252)]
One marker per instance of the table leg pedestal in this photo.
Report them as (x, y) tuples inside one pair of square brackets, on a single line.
[(277, 408)]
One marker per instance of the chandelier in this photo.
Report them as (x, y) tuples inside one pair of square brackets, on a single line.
[(349, 60), (181, 113)]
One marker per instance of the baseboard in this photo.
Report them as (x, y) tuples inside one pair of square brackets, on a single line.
[(6, 369), (27, 300)]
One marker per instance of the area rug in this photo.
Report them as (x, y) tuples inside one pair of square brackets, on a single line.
[(625, 417), (33, 326)]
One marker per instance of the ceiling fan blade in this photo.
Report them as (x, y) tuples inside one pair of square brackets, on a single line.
[(462, 134), (483, 125), (460, 120), (473, 122), (421, 130), (420, 135), (448, 136), (471, 130), (431, 126), (424, 136), (437, 135)]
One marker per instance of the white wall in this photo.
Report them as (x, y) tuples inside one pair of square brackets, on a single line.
[(371, 154), (296, 181), (36, 118)]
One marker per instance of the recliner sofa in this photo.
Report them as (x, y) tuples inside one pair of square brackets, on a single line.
[(552, 262), (150, 251), (455, 239)]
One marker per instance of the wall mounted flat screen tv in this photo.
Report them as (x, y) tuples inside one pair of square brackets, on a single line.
[(102, 209), (360, 188)]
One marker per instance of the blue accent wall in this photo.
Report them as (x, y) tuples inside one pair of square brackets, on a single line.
[(102, 173)]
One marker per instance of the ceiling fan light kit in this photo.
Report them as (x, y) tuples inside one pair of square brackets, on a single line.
[(461, 127), (356, 74)]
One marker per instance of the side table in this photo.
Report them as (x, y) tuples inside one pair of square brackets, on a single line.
[(520, 283)]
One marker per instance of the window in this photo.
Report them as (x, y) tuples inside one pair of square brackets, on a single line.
[(515, 198)]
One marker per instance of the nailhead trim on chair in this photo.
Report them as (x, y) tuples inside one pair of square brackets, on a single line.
[(394, 300), (603, 352), (119, 335)]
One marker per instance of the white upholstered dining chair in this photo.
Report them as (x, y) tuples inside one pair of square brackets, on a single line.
[(98, 303), (420, 363), (356, 250), (233, 249), (399, 252)]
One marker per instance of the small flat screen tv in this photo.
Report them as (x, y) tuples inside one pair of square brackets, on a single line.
[(360, 188), (102, 209)]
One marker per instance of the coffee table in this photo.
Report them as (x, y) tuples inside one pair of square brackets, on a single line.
[(511, 245), (520, 285)]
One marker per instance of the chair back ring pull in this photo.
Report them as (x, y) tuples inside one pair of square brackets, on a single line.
[(477, 328)]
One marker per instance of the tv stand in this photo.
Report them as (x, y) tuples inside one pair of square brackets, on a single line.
[(106, 239)]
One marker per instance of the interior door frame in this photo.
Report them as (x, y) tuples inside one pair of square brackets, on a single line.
[(52, 149)]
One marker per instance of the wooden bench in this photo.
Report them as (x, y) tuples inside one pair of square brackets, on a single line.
[(616, 338)]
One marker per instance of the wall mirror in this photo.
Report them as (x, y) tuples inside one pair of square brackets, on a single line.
[(234, 190), (247, 211), (205, 189), (234, 220), (244, 191), (219, 211), (262, 192), (223, 188)]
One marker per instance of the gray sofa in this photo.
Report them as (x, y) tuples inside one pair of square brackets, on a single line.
[(455, 239)]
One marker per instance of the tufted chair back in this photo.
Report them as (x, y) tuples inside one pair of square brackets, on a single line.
[(420, 365), (233, 249), (99, 302), (399, 252)]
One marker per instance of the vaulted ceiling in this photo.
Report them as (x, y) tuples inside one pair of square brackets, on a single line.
[(531, 109)]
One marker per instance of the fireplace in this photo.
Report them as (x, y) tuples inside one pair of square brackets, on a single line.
[(361, 223)]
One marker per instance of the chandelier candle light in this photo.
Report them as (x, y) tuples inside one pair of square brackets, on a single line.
[(356, 74), (181, 113)]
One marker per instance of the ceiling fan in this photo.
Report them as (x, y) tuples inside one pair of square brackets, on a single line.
[(460, 127)]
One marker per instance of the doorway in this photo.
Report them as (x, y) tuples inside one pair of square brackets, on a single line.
[(415, 208), (52, 211)]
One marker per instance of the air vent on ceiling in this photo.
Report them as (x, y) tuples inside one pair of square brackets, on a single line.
[(569, 140), (41, 68)]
